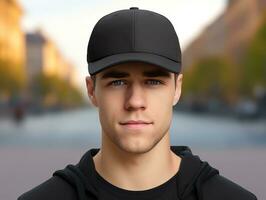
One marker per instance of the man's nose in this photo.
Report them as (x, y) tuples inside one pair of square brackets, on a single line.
[(135, 97)]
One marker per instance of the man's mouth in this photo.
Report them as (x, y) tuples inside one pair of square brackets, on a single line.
[(136, 124)]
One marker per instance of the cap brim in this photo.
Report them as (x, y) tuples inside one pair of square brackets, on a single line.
[(104, 63)]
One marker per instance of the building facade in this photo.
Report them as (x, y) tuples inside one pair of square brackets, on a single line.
[(229, 34), (43, 56), (12, 47)]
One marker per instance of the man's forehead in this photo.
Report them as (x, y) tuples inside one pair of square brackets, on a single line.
[(126, 69)]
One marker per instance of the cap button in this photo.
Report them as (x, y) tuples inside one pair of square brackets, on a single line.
[(134, 8)]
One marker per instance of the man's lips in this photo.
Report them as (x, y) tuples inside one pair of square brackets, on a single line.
[(136, 124)]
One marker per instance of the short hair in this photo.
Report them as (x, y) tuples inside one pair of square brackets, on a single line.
[(93, 77)]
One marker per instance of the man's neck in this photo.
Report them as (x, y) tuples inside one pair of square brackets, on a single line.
[(137, 172)]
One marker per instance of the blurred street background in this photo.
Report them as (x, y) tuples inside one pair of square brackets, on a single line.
[(47, 122)]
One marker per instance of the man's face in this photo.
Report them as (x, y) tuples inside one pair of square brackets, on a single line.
[(134, 91)]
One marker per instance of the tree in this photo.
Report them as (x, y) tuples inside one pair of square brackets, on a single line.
[(12, 78), (212, 77), (254, 63), (53, 91)]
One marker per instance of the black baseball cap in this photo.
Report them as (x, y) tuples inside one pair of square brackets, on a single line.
[(133, 35)]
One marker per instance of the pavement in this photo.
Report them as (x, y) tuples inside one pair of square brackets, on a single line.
[(23, 168)]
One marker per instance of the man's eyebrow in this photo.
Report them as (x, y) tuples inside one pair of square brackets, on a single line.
[(157, 73), (149, 73), (114, 74)]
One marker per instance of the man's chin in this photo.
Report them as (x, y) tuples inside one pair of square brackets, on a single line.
[(137, 148)]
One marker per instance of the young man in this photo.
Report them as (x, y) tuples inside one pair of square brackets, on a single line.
[(134, 61)]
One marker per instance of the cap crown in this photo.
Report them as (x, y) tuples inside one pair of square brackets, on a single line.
[(133, 30)]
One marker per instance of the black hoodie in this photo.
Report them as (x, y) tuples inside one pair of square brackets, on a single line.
[(196, 179)]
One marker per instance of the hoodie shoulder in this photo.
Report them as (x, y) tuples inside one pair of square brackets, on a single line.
[(53, 189), (220, 187)]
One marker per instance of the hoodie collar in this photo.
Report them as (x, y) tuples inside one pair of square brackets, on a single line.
[(193, 172)]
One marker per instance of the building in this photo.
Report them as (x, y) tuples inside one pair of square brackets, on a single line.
[(43, 56), (34, 54), (229, 34), (12, 44)]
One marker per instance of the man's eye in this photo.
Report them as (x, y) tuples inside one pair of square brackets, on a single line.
[(122, 82), (116, 82), (155, 82)]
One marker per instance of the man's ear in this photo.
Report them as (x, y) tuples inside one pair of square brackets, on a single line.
[(178, 88), (91, 90)]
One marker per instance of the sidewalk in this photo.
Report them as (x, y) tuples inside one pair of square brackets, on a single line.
[(24, 168)]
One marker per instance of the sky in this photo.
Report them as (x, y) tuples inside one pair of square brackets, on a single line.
[(69, 23)]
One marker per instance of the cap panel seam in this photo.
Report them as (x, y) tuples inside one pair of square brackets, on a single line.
[(133, 32)]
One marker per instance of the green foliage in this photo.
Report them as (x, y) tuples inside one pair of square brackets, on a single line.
[(55, 91), (211, 77), (219, 77), (254, 63), (12, 78)]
